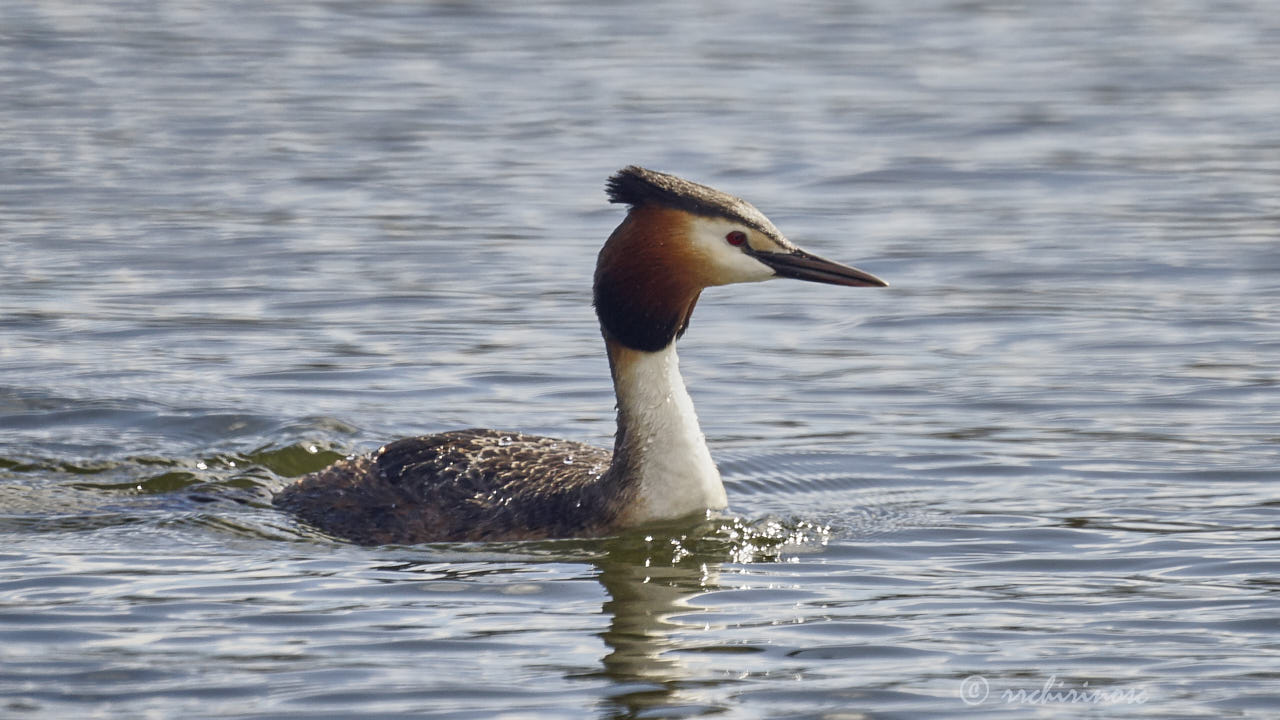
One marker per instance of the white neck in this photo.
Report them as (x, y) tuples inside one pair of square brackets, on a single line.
[(659, 440)]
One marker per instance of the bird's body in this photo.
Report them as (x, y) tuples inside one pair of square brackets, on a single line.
[(677, 239), (461, 485)]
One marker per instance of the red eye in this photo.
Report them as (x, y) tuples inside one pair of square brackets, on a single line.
[(735, 238)]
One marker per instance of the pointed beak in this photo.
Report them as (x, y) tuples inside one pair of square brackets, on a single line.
[(801, 265)]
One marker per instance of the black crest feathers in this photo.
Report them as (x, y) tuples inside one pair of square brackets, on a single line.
[(637, 187)]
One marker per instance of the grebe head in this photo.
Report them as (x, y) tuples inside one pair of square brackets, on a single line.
[(680, 237)]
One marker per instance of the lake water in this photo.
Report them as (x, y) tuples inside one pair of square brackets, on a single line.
[(1038, 473)]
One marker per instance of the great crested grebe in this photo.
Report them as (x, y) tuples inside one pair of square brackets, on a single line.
[(678, 238)]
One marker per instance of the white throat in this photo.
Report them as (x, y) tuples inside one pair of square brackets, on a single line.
[(664, 447)]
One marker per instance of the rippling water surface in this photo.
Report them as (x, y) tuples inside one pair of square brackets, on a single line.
[(1037, 473)]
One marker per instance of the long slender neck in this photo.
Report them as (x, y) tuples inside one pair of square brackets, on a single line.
[(659, 451), (646, 286)]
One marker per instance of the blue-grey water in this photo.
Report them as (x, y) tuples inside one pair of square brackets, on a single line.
[(1035, 476)]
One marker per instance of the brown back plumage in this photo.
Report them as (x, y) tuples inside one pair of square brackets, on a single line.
[(462, 485)]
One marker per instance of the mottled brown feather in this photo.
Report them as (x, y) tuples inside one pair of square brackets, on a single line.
[(462, 485)]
